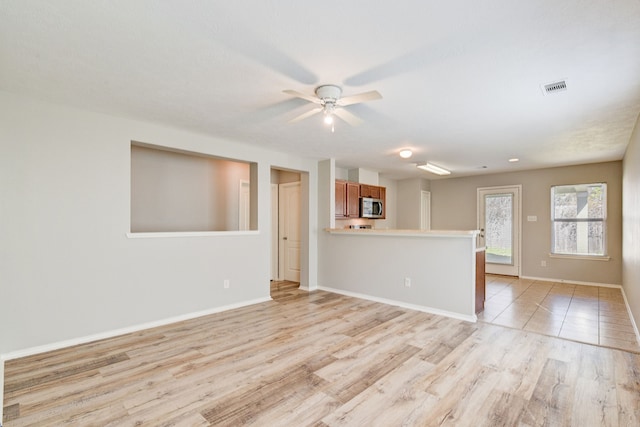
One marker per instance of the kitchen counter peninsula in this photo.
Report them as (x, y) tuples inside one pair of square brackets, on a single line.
[(428, 270), (404, 232)]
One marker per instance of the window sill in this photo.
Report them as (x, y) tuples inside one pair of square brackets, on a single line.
[(582, 257)]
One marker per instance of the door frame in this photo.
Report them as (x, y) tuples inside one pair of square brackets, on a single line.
[(517, 219), (282, 252), (275, 256), (308, 212), (425, 210), (244, 214)]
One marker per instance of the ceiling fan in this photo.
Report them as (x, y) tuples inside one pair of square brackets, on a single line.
[(331, 103)]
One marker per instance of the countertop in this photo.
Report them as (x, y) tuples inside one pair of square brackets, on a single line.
[(396, 232)]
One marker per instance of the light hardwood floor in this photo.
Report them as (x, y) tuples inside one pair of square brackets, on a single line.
[(322, 359)]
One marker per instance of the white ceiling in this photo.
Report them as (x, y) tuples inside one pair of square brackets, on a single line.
[(460, 80)]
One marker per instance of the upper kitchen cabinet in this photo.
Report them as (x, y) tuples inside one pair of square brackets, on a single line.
[(347, 199), (369, 191), (348, 196), (383, 197), (374, 192)]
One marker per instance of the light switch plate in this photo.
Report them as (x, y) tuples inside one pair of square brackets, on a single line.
[(532, 218)]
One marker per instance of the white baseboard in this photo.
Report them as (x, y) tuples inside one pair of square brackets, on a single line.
[(422, 308), (571, 282), (633, 320), (127, 330), (1, 390)]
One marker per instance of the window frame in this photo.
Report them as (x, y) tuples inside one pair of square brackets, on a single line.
[(604, 255)]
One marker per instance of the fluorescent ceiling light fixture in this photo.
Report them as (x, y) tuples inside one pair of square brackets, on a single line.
[(406, 153), (514, 160), (430, 167)]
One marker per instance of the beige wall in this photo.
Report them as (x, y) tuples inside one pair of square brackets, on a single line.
[(69, 270), (282, 177), (342, 173), (453, 206), (374, 266), (391, 192), (364, 176), (631, 223), (409, 202)]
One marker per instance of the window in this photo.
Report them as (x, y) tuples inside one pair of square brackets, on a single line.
[(578, 216)]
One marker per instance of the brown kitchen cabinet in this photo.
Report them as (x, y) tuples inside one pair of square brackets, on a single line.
[(375, 192), (383, 197), (347, 199), (369, 191), (480, 280), (341, 199)]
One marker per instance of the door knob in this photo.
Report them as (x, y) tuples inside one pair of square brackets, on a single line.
[(284, 238)]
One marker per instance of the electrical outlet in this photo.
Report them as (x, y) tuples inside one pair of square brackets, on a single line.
[(407, 282), (543, 263), (226, 283)]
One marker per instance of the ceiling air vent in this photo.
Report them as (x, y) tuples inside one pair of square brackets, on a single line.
[(554, 87)]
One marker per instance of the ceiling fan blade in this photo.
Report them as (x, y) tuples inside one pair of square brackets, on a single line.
[(297, 94), (362, 97), (305, 115), (347, 116)]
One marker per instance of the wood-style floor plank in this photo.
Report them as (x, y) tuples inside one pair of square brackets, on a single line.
[(322, 359), (552, 403)]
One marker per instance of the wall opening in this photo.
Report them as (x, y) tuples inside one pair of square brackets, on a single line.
[(180, 191)]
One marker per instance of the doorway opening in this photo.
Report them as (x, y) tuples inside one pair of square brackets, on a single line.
[(286, 227), (500, 228)]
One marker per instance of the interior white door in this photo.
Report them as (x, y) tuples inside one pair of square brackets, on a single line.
[(425, 210), (499, 225), (274, 232), (289, 230)]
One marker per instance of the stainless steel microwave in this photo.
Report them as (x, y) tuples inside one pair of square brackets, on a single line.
[(371, 208)]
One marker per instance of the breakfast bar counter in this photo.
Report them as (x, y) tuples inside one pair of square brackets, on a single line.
[(428, 270), (401, 232)]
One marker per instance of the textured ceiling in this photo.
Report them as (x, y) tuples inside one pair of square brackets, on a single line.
[(460, 80)]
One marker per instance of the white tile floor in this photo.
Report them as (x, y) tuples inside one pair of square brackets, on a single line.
[(590, 314)]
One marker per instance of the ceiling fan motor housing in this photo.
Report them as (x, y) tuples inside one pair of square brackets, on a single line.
[(329, 93)]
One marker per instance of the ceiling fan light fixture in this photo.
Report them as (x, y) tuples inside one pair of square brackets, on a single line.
[(328, 109), (329, 99), (405, 153), (430, 167)]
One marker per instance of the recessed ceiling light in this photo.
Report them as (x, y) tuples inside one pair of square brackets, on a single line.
[(513, 160), (406, 153)]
